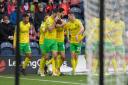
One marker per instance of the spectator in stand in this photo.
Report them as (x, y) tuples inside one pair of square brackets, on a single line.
[(50, 6), (4, 3), (33, 34), (31, 17), (32, 7), (36, 6), (39, 17), (12, 6), (6, 30), (26, 6), (13, 17), (65, 5), (2, 11)]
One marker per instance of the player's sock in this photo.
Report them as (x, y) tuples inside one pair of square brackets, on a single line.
[(95, 64), (73, 62), (53, 66), (50, 61), (76, 61), (60, 61), (26, 62), (56, 66), (114, 63), (42, 64)]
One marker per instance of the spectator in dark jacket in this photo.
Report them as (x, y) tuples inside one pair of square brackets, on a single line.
[(39, 17), (6, 30), (31, 18)]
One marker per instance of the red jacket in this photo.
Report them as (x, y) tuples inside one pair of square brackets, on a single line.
[(66, 8)]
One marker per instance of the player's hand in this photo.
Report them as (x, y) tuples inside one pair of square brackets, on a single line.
[(10, 37)]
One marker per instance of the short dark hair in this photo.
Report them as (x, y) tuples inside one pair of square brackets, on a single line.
[(60, 10), (54, 10), (5, 15), (25, 15)]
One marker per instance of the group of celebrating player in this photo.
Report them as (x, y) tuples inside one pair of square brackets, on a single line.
[(52, 40), (114, 50)]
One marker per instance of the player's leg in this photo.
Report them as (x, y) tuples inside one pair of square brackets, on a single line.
[(61, 55), (111, 55), (54, 49), (73, 62), (45, 50), (89, 53), (28, 56), (54, 63), (121, 53), (75, 49), (42, 64), (95, 57)]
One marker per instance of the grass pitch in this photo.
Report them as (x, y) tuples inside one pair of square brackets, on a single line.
[(62, 80)]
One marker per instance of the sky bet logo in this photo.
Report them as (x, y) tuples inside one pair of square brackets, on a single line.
[(33, 64)]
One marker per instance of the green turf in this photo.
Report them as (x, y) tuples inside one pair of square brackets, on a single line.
[(62, 80), (48, 80)]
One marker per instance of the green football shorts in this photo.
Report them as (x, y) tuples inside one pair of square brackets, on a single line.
[(75, 47), (50, 45), (61, 47), (25, 48)]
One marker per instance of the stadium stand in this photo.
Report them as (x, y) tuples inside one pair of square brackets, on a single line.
[(76, 7), (6, 49), (35, 49)]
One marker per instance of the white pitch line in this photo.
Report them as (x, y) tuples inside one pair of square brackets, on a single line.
[(45, 80)]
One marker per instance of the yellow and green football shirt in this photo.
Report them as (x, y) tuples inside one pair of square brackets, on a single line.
[(52, 34), (119, 28), (74, 28), (24, 33)]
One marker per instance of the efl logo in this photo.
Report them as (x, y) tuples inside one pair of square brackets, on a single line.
[(2, 66)]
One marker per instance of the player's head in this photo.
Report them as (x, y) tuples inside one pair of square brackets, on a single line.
[(71, 16), (54, 12), (25, 18), (117, 16), (60, 12), (46, 16)]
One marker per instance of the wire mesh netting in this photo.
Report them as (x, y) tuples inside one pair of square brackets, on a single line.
[(115, 41)]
